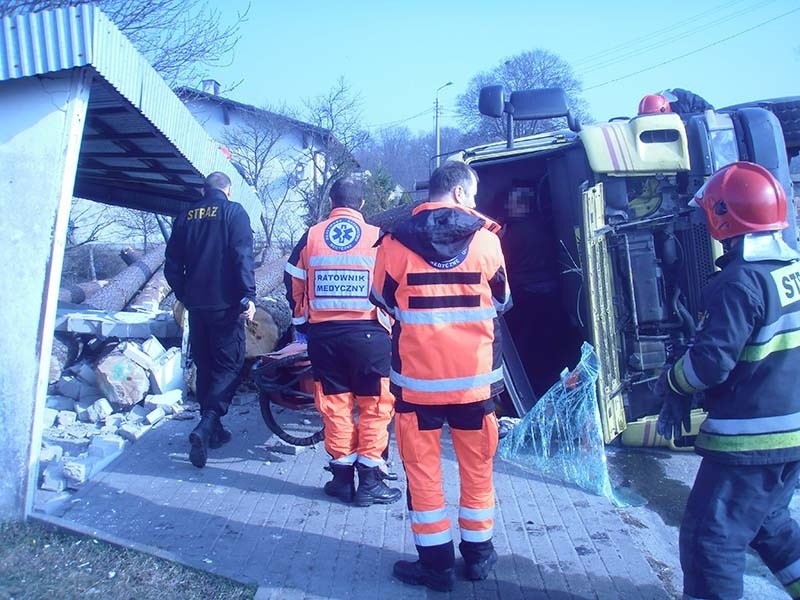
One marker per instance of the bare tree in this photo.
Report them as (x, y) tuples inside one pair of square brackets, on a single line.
[(406, 157), (87, 221), (258, 145), (335, 119), (141, 225), (529, 70), (179, 37), (395, 151)]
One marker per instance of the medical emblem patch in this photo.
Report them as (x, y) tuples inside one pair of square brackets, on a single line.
[(342, 234)]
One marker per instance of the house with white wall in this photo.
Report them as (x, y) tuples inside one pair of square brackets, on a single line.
[(273, 152)]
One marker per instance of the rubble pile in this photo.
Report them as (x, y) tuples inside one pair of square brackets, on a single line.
[(112, 379), (95, 409)]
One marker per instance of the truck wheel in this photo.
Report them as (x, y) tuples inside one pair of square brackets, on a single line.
[(788, 112)]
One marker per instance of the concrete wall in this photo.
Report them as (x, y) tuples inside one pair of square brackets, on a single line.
[(38, 158)]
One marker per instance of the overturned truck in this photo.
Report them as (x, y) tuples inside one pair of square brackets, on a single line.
[(600, 242)]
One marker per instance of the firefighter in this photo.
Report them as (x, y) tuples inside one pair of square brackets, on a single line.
[(745, 359), (654, 104), (441, 275), (328, 278), (209, 265)]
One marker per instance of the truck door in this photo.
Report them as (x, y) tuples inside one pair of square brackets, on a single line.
[(599, 286)]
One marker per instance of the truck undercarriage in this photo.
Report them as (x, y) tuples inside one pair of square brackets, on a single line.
[(602, 246)]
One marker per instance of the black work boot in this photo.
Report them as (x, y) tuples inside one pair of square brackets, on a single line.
[(200, 437), (371, 489), (342, 486), (219, 437), (415, 573), (478, 571)]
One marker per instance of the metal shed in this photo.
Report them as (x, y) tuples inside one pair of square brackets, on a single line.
[(83, 114)]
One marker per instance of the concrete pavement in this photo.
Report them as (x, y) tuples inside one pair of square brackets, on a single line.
[(259, 516)]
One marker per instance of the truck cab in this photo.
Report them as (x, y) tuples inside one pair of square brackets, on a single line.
[(600, 242)]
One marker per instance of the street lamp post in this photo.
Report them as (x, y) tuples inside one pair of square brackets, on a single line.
[(436, 118)]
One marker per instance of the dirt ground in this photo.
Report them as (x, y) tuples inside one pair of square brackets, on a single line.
[(39, 562)]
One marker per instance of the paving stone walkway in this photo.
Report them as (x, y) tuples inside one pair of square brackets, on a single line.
[(257, 515)]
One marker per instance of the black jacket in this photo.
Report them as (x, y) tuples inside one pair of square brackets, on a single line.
[(746, 356), (209, 256)]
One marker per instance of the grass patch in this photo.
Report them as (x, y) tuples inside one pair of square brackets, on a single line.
[(37, 561)]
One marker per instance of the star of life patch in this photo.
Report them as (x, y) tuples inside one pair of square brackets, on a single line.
[(342, 234), (341, 283)]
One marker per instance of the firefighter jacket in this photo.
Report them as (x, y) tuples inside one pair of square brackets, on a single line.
[(329, 273), (441, 275), (209, 256), (746, 356)]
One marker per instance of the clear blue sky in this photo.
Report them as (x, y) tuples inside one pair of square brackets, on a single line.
[(395, 54)]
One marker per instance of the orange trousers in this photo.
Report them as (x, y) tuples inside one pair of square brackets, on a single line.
[(348, 435), (473, 428), (350, 361)]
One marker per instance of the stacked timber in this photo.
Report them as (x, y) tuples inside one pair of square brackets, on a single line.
[(77, 293), (269, 276), (153, 293), (123, 286)]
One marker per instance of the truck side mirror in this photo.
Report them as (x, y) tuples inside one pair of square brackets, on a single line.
[(491, 102)]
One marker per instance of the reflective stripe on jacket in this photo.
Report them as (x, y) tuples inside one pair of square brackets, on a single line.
[(746, 357), (441, 275), (329, 273)]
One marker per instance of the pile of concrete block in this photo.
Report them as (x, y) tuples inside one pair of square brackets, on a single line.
[(95, 410)]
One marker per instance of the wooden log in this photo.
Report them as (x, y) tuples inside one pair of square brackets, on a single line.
[(269, 276), (261, 334), (123, 286), (130, 255), (153, 292), (77, 293), (276, 304)]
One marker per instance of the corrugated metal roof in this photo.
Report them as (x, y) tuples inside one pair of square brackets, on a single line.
[(143, 105), (44, 42)]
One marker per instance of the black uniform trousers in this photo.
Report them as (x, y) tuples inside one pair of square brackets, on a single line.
[(730, 508), (349, 356), (218, 350)]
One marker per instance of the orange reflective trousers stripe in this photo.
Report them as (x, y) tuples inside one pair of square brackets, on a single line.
[(347, 436), (420, 451)]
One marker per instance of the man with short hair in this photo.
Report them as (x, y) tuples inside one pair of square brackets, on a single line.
[(328, 279), (441, 274), (209, 265)]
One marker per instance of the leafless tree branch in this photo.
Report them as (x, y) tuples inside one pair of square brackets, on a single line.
[(180, 38)]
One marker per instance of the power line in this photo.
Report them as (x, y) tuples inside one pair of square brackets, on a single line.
[(716, 43), (659, 44), (649, 36), (401, 121)]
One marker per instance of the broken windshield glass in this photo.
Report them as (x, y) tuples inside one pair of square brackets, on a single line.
[(561, 436)]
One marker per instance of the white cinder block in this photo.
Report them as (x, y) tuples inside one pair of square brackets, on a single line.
[(167, 372)]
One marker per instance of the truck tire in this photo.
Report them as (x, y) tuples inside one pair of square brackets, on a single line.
[(788, 112)]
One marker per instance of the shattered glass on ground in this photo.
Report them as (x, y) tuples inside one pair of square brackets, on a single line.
[(561, 436)]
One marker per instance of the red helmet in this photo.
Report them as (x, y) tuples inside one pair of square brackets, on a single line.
[(741, 198), (654, 104)]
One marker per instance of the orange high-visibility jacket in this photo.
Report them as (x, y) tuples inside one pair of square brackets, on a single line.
[(329, 273), (441, 275)]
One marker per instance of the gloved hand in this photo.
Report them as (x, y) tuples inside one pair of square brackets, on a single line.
[(675, 411)]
